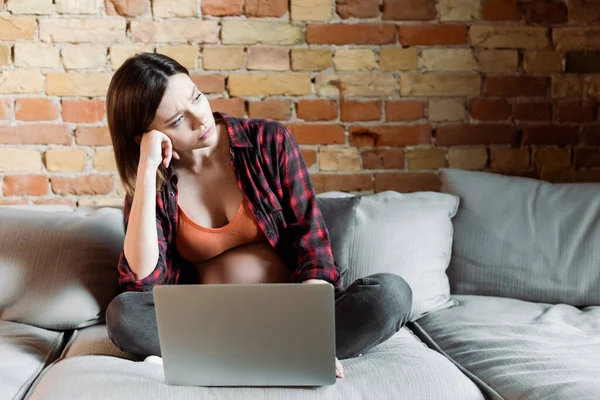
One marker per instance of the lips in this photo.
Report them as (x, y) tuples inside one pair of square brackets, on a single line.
[(207, 132)]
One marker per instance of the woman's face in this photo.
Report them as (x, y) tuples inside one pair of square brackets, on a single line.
[(185, 116)]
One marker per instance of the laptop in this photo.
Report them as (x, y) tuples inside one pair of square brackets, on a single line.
[(247, 334)]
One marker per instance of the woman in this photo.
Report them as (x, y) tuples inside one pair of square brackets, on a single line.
[(216, 199)]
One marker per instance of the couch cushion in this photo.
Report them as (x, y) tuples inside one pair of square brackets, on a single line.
[(93, 340), (525, 239), (58, 268), (409, 235), (521, 350), (24, 351), (401, 368)]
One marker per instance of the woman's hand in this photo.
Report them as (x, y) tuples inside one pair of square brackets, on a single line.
[(156, 147)]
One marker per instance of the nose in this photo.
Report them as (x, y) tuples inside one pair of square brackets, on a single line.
[(196, 118)]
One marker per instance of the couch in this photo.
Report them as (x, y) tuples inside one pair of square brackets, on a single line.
[(504, 271)]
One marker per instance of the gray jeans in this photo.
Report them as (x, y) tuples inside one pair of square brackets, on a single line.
[(367, 313)]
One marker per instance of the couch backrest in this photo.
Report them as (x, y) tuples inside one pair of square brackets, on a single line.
[(525, 238), (58, 264)]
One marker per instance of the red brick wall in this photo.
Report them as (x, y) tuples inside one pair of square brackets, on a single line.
[(380, 94)]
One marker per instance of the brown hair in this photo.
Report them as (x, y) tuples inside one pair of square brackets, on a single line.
[(134, 94)]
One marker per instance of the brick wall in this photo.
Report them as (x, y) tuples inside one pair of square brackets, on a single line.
[(380, 94)]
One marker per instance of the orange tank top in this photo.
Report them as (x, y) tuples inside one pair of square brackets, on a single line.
[(197, 243)]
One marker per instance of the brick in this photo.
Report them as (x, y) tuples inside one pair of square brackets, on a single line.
[(357, 110), (174, 8), (121, 52), (501, 10), (419, 159), (39, 7), (583, 12), (407, 182), (270, 109), (532, 110), (186, 55), (318, 133), (587, 157), (447, 110), (84, 56), (442, 85), (288, 84), (514, 86), (36, 109), (449, 60), (357, 8), (93, 136), (77, 84), (25, 185), (395, 59), (548, 134), (355, 85), (185, 30), (387, 135), (19, 160), (5, 109), (566, 86), (354, 60), (583, 62), (4, 202), (104, 160), (545, 13), (548, 159), (409, 10), (21, 82), (591, 86), (66, 160), (509, 36), (357, 34), (223, 57), (265, 8), (588, 175), (496, 61), (128, 8), (5, 54), (36, 55), (311, 10), (268, 58), (486, 109), (432, 35), (336, 159), (542, 61), (575, 111), (576, 38), (84, 185), (82, 30), (590, 135), (35, 134), (233, 107), (504, 158), (81, 111), (472, 159), (392, 158), (309, 157), (475, 134), (260, 32), (343, 183), (317, 110), (209, 83), (17, 28), (78, 6), (404, 110), (101, 202), (459, 10), (311, 59), (221, 8)]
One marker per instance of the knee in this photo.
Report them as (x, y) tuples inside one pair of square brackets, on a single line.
[(116, 318), (395, 296)]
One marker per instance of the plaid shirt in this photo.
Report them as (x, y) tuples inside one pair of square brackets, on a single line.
[(274, 181)]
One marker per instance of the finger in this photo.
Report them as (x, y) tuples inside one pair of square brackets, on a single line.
[(168, 153), (176, 155)]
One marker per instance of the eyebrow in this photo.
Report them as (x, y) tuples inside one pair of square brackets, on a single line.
[(167, 122)]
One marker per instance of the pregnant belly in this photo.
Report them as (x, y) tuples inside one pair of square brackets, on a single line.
[(252, 263)]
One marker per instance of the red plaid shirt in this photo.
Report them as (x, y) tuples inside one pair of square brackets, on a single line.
[(273, 178)]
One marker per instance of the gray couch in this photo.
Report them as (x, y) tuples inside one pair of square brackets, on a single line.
[(505, 274)]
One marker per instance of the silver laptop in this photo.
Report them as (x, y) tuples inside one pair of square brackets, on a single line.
[(247, 335)]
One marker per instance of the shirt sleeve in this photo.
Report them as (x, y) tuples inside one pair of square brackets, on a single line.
[(127, 279), (305, 223)]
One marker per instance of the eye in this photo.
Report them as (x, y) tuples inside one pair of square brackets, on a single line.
[(177, 121), (198, 96)]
